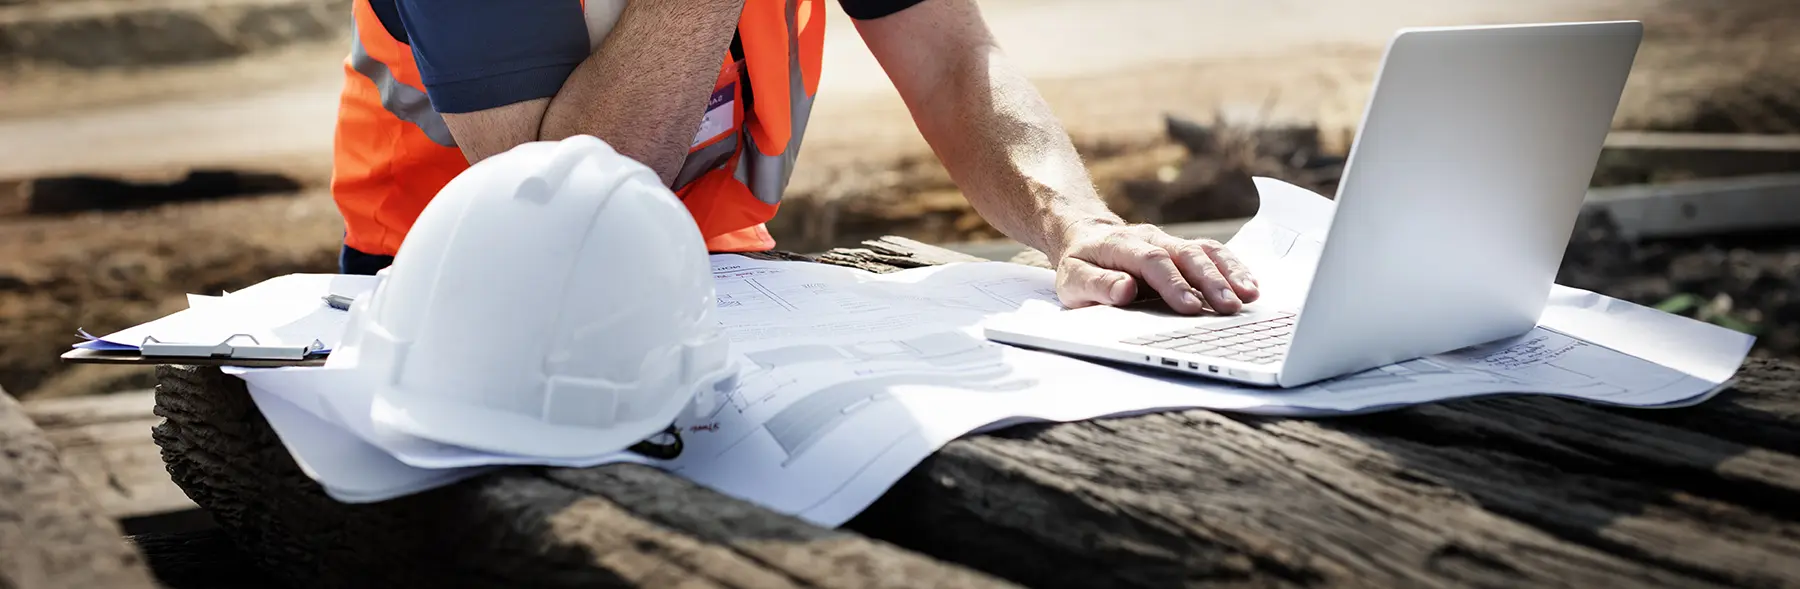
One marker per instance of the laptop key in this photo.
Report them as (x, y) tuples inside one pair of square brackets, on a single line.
[(1197, 348)]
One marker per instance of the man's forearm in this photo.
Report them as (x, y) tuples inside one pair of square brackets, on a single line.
[(645, 89), (1006, 150)]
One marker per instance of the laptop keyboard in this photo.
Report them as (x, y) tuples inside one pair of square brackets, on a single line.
[(1261, 342)]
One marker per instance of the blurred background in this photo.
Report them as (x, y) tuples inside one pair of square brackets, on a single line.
[(154, 148)]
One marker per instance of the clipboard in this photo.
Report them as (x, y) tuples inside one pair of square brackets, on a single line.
[(231, 352)]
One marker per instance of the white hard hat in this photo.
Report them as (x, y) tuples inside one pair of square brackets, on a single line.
[(553, 300)]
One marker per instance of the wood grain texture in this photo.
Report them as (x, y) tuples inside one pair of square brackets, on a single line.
[(70, 412), (52, 533), (200, 559), (1509, 491), (613, 526), (105, 441)]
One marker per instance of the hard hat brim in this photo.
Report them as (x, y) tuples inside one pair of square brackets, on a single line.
[(478, 428)]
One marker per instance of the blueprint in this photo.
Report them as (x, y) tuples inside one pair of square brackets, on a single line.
[(848, 379)]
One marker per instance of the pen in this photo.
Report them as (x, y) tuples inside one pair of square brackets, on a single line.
[(339, 302)]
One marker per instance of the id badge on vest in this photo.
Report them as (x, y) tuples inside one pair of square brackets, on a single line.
[(716, 141)]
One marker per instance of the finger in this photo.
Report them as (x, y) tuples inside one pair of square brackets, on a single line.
[(1235, 270), (1156, 266), (1203, 273), (1080, 284), (1199, 260)]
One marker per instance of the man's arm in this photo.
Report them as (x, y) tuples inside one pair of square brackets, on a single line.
[(1014, 162), (483, 133), (644, 90), (504, 73)]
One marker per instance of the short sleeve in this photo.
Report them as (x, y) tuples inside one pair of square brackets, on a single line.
[(479, 54), (873, 9)]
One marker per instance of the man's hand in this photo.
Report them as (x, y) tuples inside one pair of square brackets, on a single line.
[(1102, 258)]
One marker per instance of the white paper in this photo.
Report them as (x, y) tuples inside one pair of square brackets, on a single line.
[(848, 379), (283, 311), (348, 468), (197, 301)]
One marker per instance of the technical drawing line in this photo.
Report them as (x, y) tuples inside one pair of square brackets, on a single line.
[(857, 472), (771, 294), (991, 294)]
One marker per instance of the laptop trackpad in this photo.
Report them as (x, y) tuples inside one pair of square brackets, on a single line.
[(1161, 307), (1153, 316)]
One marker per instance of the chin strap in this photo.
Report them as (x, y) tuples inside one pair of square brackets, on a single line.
[(663, 446)]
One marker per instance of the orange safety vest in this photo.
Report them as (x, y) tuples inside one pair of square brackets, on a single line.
[(393, 153)]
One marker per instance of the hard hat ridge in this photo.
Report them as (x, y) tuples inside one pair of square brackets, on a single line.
[(561, 166)]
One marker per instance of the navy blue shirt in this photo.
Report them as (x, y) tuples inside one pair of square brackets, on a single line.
[(479, 54)]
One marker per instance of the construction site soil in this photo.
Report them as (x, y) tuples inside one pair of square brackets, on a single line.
[(102, 253)]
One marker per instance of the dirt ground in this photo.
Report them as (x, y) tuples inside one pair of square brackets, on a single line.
[(1712, 65)]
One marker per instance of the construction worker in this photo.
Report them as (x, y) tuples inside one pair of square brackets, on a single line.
[(714, 95)]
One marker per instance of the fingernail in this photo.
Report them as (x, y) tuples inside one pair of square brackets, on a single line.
[(1225, 294), (1188, 298)]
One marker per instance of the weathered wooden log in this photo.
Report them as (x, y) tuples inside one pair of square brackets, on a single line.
[(104, 440), (52, 532), (1510, 491), (615, 526)]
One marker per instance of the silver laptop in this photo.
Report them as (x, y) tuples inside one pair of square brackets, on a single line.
[(1457, 202)]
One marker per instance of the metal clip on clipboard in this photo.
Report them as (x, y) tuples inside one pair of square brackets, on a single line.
[(225, 349)]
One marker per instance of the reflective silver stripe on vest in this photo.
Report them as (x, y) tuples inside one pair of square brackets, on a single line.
[(768, 176), (706, 160), (406, 102)]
